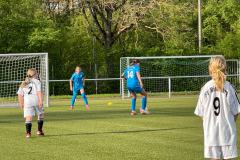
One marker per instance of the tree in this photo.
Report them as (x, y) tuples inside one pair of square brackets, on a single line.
[(107, 20), (221, 23), (174, 22)]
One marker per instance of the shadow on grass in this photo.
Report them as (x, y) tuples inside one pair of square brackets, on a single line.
[(62, 115), (120, 132)]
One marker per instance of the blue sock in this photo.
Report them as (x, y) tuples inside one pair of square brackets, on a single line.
[(73, 98), (133, 104), (144, 102), (85, 98)]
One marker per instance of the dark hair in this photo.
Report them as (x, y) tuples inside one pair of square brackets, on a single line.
[(134, 61)]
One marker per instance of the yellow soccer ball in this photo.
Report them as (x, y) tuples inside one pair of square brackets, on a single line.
[(109, 103)]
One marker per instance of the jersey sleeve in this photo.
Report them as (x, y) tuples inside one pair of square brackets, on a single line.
[(83, 75), (38, 86), (137, 68), (20, 91), (72, 77), (234, 101), (199, 111)]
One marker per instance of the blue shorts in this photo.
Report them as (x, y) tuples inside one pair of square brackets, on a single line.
[(136, 89), (76, 90)]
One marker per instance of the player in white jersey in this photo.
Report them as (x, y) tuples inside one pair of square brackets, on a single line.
[(218, 105), (30, 100)]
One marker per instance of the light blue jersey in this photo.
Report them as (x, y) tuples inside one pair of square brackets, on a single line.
[(77, 79), (131, 75), (133, 86)]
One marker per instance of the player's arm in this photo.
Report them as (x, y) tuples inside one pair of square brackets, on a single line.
[(21, 101), (123, 76), (40, 99), (70, 82), (140, 79), (234, 102), (39, 94), (20, 94), (83, 80), (199, 111)]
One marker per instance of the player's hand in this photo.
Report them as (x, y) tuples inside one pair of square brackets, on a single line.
[(71, 89), (40, 105), (141, 85), (21, 106)]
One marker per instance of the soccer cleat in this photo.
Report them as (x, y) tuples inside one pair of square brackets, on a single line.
[(144, 112), (133, 113), (87, 107), (28, 135), (40, 133), (71, 108)]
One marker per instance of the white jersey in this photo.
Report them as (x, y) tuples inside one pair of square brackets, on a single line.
[(29, 92), (218, 110)]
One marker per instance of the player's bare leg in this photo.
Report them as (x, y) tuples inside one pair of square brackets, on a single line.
[(40, 125), (134, 98), (84, 99), (28, 124), (144, 109)]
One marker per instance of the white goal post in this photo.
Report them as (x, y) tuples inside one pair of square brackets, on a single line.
[(168, 75), (13, 68)]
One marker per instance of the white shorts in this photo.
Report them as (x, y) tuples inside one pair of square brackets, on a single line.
[(221, 152), (32, 110)]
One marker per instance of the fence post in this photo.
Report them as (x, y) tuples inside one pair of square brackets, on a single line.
[(122, 84), (169, 87)]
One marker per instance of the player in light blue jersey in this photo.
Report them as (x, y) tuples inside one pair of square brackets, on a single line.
[(77, 85), (135, 85)]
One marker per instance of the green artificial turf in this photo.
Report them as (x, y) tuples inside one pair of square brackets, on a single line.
[(106, 132)]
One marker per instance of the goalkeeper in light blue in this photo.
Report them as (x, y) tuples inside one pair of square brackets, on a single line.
[(135, 85), (77, 85)]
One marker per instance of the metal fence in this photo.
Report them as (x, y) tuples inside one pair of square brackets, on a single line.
[(161, 86)]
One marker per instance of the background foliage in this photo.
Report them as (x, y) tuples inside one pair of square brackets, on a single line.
[(66, 29)]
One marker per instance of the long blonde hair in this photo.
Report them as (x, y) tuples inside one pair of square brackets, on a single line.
[(78, 68), (31, 73), (218, 71)]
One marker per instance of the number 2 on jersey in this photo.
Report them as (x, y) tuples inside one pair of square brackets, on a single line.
[(216, 105), (130, 74), (30, 90)]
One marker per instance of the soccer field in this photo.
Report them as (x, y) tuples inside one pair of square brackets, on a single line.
[(106, 132)]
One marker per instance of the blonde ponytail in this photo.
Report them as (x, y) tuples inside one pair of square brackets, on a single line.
[(31, 73), (218, 69), (25, 82)]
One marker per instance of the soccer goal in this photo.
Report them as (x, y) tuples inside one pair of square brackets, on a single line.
[(176, 75), (13, 68)]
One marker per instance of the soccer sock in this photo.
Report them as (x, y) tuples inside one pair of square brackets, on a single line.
[(28, 125), (144, 102), (40, 125), (73, 98), (85, 98), (134, 104)]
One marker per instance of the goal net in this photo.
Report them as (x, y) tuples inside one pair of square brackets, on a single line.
[(171, 75), (13, 68)]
